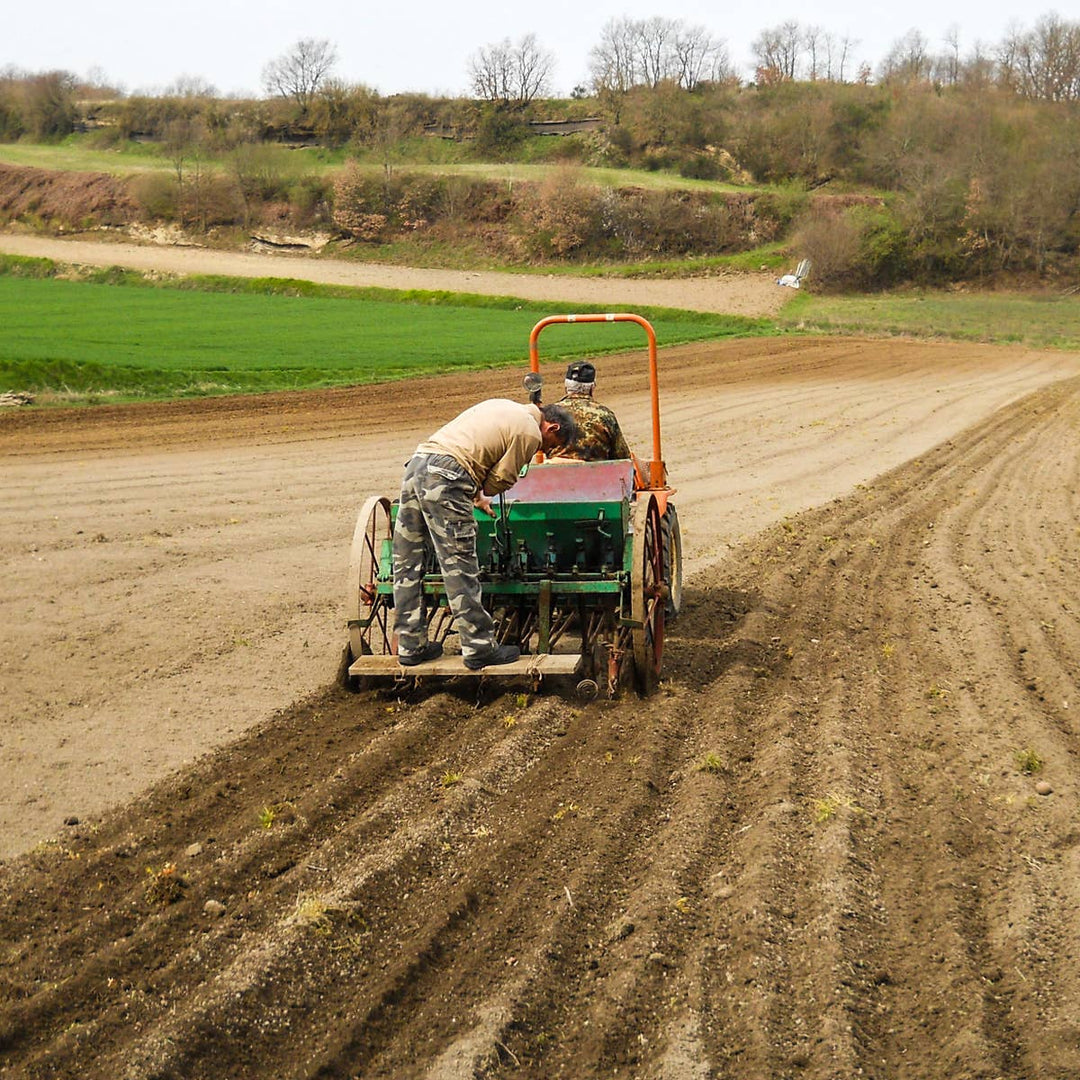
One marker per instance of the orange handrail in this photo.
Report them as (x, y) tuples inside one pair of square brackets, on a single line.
[(657, 472)]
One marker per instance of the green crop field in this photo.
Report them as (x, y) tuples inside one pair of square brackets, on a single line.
[(87, 340)]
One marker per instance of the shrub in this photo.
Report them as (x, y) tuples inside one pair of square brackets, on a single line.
[(156, 196), (310, 198), (782, 205), (884, 246), (853, 246), (213, 200), (653, 223), (499, 132), (560, 216), (702, 167), (830, 238)]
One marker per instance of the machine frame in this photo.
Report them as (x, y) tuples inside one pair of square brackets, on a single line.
[(582, 568)]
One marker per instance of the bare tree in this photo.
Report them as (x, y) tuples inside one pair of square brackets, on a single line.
[(191, 87), (489, 71), (909, 59), (652, 49), (185, 144), (299, 73), (815, 40), (843, 54), (777, 51), (1045, 63), (647, 52), (697, 56), (532, 66), (979, 69), (952, 64), (508, 74), (612, 63)]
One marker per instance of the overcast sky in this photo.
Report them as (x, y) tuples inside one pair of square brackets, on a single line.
[(424, 45)]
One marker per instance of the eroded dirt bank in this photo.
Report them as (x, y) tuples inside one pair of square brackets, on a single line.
[(813, 854)]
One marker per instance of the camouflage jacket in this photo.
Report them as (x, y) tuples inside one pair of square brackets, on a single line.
[(599, 436)]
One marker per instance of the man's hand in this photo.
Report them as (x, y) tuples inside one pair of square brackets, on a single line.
[(484, 503)]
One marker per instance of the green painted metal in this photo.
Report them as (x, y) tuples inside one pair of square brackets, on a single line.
[(562, 530)]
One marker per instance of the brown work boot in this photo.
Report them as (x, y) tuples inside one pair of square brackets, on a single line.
[(499, 654)]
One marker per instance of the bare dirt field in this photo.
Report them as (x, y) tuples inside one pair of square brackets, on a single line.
[(816, 852)]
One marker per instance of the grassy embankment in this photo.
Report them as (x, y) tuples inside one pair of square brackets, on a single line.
[(1041, 320), (77, 153), (118, 336)]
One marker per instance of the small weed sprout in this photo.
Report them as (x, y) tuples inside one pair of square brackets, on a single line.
[(450, 778), (267, 816), (1027, 761), (712, 763), (683, 904), (936, 691), (165, 885), (521, 700), (827, 808), (313, 911), (564, 809), (887, 649), (509, 720)]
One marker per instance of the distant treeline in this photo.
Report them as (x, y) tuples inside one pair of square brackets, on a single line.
[(941, 168)]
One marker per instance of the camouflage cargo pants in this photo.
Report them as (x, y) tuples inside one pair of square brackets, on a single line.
[(436, 513)]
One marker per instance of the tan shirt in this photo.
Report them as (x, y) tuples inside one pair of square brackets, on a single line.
[(492, 440)]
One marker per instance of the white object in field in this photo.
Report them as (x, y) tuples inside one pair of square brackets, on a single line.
[(792, 280)]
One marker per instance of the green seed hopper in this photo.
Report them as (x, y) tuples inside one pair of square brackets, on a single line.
[(581, 567)]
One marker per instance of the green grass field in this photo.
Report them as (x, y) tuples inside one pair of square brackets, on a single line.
[(117, 335), (1041, 321), (122, 338)]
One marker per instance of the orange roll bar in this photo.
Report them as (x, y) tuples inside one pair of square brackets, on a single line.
[(657, 477)]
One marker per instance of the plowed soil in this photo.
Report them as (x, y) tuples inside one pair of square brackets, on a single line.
[(840, 841)]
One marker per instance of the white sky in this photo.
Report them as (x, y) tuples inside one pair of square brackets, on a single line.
[(424, 45)]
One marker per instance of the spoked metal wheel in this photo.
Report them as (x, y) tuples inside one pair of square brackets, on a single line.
[(648, 593), (371, 627), (669, 524)]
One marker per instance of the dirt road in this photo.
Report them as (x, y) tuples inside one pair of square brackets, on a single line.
[(813, 854), (733, 294)]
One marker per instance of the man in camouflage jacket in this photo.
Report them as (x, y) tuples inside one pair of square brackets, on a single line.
[(599, 437)]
